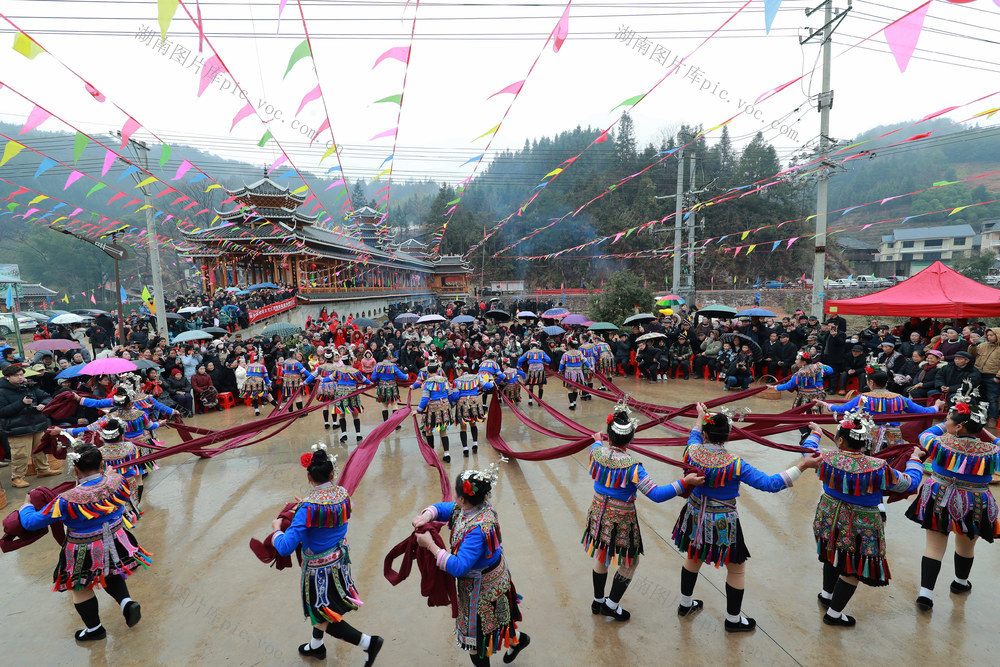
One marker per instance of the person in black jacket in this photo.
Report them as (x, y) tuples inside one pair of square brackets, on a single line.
[(951, 377), (835, 349), (648, 360), (771, 355), (854, 367), (789, 351), (21, 402), (925, 382), (623, 352)]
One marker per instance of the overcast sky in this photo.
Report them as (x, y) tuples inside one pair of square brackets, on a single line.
[(463, 52)]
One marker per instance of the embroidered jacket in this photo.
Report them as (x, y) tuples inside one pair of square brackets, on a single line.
[(320, 521), (617, 475)]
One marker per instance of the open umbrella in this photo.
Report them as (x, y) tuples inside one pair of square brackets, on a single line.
[(495, 298), (430, 318), (189, 336), (602, 326), (242, 293), (192, 309), (282, 329), (364, 322), (52, 344), (575, 320), (498, 315), (232, 307), (717, 311), (215, 331), (108, 366), (174, 316), (258, 286), (669, 301), (738, 339), (66, 318), (555, 313), (459, 302), (526, 315), (463, 319), (755, 312), (143, 364), (231, 289), (554, 330), (650, 336), (68, 373), (407, 318), (640, 318)]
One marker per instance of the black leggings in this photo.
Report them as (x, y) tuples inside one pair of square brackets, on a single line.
[(479, 662), (344, 631)]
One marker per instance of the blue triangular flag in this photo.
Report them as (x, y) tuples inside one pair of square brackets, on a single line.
[(131, 169), (770, 11), (10, 297), (123, 295), (46, 164)]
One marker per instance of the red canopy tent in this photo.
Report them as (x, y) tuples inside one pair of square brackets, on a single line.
[(937, 291)]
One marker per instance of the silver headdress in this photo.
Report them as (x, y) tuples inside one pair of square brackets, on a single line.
[(112, 434), (622, 406), (733, 415), (969, 396), (490, 475), (865, 429)]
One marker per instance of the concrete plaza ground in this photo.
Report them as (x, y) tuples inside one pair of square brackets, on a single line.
[(208, 600)]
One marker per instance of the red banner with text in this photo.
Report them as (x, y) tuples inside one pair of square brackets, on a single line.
[(270, 309)]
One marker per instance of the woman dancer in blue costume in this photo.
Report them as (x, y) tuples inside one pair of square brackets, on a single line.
[(349, 379), (850, 534), (708, 529), (508, 380), (537, 361), (99, 551), (807, 381), (257, 386), (293, 374), (571, 367), (326, 385), (435, 406), (320, 527), (612, 532), (387, 376), (488, 611), (468, 410), (956, 497)]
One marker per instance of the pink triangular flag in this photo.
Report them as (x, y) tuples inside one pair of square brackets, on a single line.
[(313, 94), (513, 88), (400, 53), (212, 68), (325, 125), (131, 125), (791, 241), (561, 31), (109, 160), (93, 299), (903, 33), (387, 133), (280, 161), (75, 212), (181, 170), (241, 114), (334, 184), (37, 116), (94, 92), (73, 178)]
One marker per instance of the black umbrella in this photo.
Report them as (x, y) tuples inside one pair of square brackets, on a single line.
[(640, 318), (364, 322), (738, 339), (215, 331), (498, 315), (174, 316)]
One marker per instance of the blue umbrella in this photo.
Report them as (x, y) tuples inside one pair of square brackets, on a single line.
[(755, 312), (555, 313), (262, 286), (71, 372), (463, 319), (554, 330), (231, 307), (243, 293)]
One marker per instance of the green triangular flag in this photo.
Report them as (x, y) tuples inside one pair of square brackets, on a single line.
[(79, 143), (165, 152), (300, 52), (397, 98), (267, 137), (97, 186), (629, 102)]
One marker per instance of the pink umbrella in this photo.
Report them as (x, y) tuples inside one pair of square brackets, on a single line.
[(574, 320), (52, 344), (108, 366)]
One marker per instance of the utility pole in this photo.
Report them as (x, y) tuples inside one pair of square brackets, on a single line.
[(678, 214), (688, 284), (140, 150), (824, 104)]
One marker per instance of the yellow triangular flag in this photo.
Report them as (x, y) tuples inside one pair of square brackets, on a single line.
[(26, 46), (145, 294), (750, 249), (298, 191), (164, 15), (329, 151), (212, 187), (960, 208), (147, 181), (384, 172), (65, 299), (489, 131), (37, 199), (143, 207), (554, 172), (745, 234), (10, 150)]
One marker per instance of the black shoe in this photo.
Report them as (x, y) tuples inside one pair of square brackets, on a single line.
[(522, 643), (343, 438), (843, 620), (882, 514), (326, 425), (595, 607), (958, 588), (617, 614), (824, 601), (925, 604), (475, 447), (360, 437), (465, 452), (696, 605), (740, 626), (374, 646), (84, 636), (318, 653), (132, 613), (572, 406), (398, 428), (446, 457)]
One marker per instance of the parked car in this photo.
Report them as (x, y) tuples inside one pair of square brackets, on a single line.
[(993, 280), (52, 313), (89, 312), (24, 323), (773, 284), (37, 316)]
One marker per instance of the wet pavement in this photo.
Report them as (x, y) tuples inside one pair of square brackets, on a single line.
[(207, 599)]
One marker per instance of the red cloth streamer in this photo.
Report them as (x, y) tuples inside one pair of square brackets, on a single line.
[(265, 550), (435, 584), (16, 536)]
